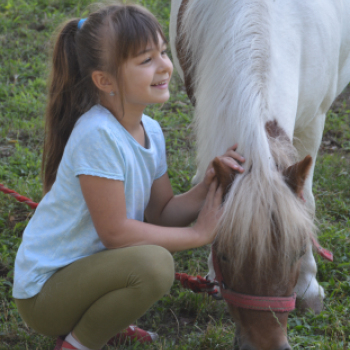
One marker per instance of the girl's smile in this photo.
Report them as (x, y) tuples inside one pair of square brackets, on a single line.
[(161, 85)]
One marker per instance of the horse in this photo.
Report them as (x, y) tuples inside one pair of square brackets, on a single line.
[(263, 74)]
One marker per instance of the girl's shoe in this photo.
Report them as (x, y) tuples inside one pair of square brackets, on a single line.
[(61, 344), (130, 333), (133, 333), (67, 346)]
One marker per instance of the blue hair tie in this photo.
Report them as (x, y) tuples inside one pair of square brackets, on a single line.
[(81, 22)]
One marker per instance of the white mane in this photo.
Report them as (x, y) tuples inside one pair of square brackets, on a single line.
[(231, 90)]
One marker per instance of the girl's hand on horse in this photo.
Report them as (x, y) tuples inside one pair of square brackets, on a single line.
[(210, 213), (231, 158)]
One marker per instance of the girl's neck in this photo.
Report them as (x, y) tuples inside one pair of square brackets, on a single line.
[(131, 120)]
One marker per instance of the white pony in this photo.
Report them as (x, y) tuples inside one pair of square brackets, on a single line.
[(249, 62)]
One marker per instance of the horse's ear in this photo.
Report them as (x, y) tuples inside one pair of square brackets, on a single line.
[(224, 174), (296, 175)]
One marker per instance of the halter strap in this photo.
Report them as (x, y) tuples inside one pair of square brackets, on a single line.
[(244, 301), (260, 303)]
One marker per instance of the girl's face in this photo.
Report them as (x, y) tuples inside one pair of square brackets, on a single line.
[(147, 76)]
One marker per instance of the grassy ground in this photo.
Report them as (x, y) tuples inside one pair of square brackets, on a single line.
[(184, 320)]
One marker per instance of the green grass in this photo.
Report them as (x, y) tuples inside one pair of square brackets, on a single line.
[(183, 319)]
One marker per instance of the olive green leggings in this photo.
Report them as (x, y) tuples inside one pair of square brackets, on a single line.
[(100, 295)]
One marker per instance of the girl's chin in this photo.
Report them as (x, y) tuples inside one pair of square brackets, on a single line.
[(164, 98)]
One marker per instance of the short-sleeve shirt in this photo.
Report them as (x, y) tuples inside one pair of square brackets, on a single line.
[(61, 230)]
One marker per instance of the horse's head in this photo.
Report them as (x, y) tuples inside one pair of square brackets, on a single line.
[(259, 246)]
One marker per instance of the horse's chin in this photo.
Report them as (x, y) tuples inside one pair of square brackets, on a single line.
[(239, 344)]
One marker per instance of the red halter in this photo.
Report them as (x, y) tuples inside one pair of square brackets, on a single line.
[(276, 304)]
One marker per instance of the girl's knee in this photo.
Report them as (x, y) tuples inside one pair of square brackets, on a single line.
[(157, 268)]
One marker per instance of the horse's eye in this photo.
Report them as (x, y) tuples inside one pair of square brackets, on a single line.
[(223, 258)]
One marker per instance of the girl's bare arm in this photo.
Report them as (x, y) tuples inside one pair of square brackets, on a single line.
[(106, 202), (168, 210), (177, 211)]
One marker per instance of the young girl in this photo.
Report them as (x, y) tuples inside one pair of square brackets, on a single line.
[(89, 265)]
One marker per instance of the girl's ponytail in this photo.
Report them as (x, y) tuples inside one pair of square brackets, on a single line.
[(67, 100)]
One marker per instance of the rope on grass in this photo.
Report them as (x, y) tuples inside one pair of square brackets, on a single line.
[(197, 284), (20, 198)]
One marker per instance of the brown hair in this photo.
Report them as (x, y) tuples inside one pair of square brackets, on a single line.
[(105, 41)]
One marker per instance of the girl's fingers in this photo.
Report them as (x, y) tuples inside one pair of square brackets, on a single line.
[(232, 164), (211, 212), (234, 155), (211, 192), (215, 193), (231, 159), (213, 187), (210, 174), (234, 147), (218, 196)]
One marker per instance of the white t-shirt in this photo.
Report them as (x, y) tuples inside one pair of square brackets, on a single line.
[(61, 230)]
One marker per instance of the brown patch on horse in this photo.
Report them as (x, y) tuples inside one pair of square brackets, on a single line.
[(275, 131), (182, 55), (224, 174), (281, 146), (296, 175)]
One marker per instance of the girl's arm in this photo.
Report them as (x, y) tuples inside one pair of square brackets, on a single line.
[(106, 202), (179, 211), (176, 211)]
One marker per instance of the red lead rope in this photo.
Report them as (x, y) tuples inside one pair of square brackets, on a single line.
[(20, 198), (197, 284), (324, 253)]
